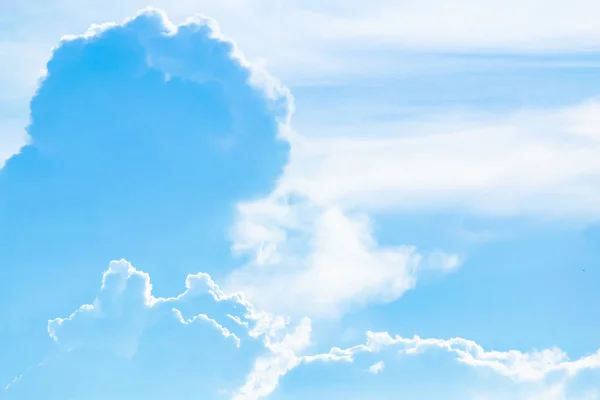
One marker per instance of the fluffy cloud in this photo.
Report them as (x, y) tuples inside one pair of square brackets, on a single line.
[(320, 261), (144, 135), (312, 240), (537, 375), (326, 42), (124, 308), (514, 364), (377, 368), (203, 317)]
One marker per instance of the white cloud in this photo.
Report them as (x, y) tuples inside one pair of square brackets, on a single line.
[(377, 368), (531, 162), (284, 355), (24, 58), (326, 35), (314, 252), (327, 41), (203, 317), (125, 308), (530, 371), (439, 260), (320, 261), (469, 24), (116, 318), (436, 166), (318, 254), (514, 364)]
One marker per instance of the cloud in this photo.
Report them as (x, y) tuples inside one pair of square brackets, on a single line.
[(514, 364), (469, 25), (328, 42), (533, 162), (124, 308), (144, 135), (320, 261), (543, 374), (284, 355), (203, 317), (377, 368), (327, 36), (313, 248)]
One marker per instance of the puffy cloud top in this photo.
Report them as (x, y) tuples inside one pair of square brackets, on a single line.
[(143, 137)]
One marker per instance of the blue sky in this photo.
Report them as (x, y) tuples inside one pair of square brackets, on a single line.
[(390, 202)]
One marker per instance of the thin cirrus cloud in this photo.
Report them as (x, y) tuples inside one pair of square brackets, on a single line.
[(327, 35), (541, 162)]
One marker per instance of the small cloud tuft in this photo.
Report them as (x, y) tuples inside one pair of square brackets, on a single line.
[(377, 368)]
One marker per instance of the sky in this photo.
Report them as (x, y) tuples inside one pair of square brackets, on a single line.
[(251, 199)]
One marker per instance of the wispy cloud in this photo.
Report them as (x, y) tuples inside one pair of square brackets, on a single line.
[(539, 162), (321, 261)]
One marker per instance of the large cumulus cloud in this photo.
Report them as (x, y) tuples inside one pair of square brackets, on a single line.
[(143, 137)]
